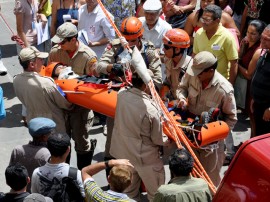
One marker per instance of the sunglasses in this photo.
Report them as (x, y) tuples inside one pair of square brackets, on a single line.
[(167, 47), (65, 40)]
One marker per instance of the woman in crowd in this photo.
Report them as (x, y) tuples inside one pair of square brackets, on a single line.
[(26, 12), (248, 56), (179, 8), (193, 21), (60, 8)]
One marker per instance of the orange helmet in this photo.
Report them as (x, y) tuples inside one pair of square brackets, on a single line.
[(131, 28), (49, 70), (176, 38)]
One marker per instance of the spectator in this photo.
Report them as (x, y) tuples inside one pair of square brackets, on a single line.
[(139, 9), (37, 198), (176, 42), (260, 87), (59, 147), (110, 64), (71, 52), (26, 18), (193, 23), (35, 153), (47, 101), (120, 9), (183, 187), (205, 88), (154, 26), (137, 136), (60, 8), (225, 6), (248, 57), (17, 178), (222, 46), (254, 9), (99, 30), (176, 11), (119, 179)]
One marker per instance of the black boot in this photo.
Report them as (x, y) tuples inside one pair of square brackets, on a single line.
[(85, 159)]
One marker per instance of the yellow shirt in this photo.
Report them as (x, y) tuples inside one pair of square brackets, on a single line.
[(47, 9), (221, 44)]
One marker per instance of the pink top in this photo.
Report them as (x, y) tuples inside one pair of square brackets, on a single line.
[(182, 2), (29, 15)]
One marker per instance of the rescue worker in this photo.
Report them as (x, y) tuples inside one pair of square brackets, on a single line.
[(176, 41), (109, 62), (83, 60), (137, 136), (132, 31), (201, 89), (39, 94)]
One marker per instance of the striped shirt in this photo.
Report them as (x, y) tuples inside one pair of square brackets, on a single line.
[(94, 193)]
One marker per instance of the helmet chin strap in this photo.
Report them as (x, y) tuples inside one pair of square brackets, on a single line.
[(174, 53)]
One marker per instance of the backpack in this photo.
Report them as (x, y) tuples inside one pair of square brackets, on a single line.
[(63, 190)]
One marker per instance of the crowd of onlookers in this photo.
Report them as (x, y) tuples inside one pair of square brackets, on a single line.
[(206, 61)]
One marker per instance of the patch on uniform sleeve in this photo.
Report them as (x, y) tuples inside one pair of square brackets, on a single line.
[(92, 61)]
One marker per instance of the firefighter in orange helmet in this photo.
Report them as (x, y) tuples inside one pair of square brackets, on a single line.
[(176, 41), (132, 31)]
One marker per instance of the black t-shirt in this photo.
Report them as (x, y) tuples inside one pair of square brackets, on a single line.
[(13, 197)]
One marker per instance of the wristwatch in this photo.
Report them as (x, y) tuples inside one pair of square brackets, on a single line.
[(106, 164)]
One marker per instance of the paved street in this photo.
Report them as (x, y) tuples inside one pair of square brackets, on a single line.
[(12, 131)]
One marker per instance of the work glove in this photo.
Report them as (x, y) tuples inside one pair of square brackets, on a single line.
[(123, 41), (118, 69)]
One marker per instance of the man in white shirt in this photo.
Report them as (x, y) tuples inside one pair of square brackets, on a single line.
[(154, 26), (94, 22)]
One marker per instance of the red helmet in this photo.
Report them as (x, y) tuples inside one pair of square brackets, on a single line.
[(49, 70), (131, 28), (176, 38)]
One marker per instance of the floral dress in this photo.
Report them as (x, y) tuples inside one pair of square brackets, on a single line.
[(120, 9)]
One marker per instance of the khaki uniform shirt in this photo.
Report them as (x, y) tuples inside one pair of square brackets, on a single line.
[(83, 61), (218, 94), (41, 98), (173, 76), (149, 53), (137, 131)]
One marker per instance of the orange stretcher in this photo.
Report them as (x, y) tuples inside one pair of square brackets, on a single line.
[(91, 93)]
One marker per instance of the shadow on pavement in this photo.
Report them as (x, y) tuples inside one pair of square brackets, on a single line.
[(9, 50), (99, 156), (242, 123), (8, 90), (13, 118)]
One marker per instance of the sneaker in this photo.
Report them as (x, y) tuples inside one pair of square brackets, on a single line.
[(105, 130), (3, 69)]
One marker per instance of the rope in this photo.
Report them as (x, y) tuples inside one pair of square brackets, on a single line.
[(14, 37)]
